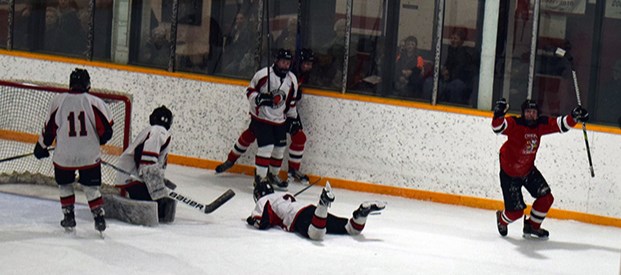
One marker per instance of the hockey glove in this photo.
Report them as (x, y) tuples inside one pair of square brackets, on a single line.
[(264, 223), (580, 114), (153, 178), (264, 100), (293, 125), (40, 152), (501, 108)]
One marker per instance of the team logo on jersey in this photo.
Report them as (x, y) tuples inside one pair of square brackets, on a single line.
[(280, 97), (532, 144)]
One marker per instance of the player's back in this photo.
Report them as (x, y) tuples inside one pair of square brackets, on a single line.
[(78, 118)]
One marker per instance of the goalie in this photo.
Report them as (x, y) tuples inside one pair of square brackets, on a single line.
[(146, 157)]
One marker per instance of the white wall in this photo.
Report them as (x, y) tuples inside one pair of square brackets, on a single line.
[(366, 142)]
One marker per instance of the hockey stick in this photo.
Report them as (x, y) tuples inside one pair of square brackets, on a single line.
[(205, 208), (306, 188), (22, 156), (562, 53)]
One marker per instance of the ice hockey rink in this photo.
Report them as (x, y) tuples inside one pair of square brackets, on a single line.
[(409, 237)]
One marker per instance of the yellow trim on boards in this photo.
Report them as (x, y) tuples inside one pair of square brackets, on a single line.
[(341, 183), (405, 192)]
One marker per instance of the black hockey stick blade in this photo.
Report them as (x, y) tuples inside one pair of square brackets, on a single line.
[(222, 199), (306, 188), (22, 156)]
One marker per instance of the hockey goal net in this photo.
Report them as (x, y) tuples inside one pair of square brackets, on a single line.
[(24, 109)]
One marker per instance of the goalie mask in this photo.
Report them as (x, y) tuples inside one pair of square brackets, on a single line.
[(161, 116), (79, 80)]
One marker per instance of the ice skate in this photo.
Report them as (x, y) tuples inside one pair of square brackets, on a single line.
[(276, 182), (502, 228), (327, 197), (369, 207), (224, 166), (100, 221), (296, 175), (532, 233), (68, 222)]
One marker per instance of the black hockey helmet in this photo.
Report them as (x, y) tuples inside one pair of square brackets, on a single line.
[(307, 55), (161, 116), (283, 54), (262, 188), (80, 80), (530, 104)]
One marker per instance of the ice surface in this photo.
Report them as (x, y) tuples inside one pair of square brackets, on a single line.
[(409, 237)]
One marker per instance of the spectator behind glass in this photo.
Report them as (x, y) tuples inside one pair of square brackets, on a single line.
[(52, 31), (328, 70), (157, 48), (610, 97), (459, 65), (286, 39), (21, 33), (71, 36), (409, 68), (238, 58)]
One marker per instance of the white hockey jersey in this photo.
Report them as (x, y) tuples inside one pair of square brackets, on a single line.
[(79, 122), (282, 208), (283, 90), (150, 147)]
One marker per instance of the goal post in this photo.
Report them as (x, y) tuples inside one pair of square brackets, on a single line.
[(23, 110)]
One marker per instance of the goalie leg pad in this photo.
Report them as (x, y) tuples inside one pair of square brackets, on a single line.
[(153, 177), (166, 210), (131, 211)]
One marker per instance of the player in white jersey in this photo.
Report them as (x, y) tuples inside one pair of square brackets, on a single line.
[(80, 123), (272, 95), (311, 221), (147, 157)]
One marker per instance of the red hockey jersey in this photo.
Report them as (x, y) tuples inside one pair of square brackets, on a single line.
[(518, 153)]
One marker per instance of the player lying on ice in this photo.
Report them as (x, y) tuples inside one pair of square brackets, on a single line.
[(311, 221)]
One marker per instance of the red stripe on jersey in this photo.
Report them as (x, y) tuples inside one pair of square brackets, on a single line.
[(356, 226), (274, 219), (66, 201), (165, 145), (152, 154), (101, 123), (49, 131), (98, 202)]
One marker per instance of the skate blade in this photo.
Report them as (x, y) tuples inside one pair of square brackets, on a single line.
[(534, 237), (101, 235), (70, 230)]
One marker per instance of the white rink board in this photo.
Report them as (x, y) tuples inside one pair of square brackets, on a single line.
[(367, 142)]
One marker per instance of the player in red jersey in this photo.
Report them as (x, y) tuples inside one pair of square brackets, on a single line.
[(517, 163)]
